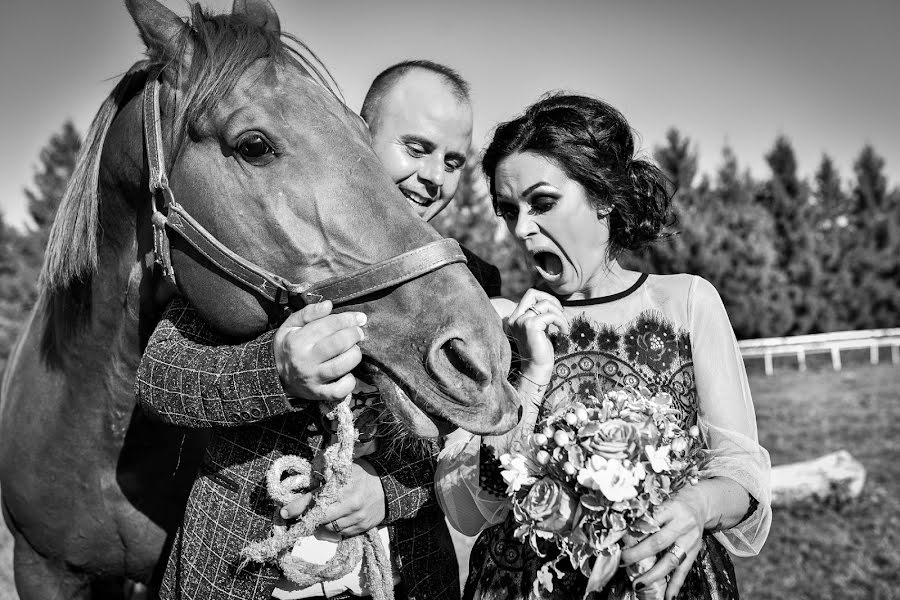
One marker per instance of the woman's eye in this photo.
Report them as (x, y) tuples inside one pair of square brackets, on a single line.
[(541, 206), (254, 146), (452, 167), (506, 213)]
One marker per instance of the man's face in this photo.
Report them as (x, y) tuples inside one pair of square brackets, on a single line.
[(421, 134)]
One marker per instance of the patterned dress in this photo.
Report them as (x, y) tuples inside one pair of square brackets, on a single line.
[(642, 336)]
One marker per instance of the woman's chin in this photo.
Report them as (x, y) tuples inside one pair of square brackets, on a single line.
[(558, 282)]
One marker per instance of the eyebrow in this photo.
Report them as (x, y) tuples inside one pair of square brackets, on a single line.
[(534, 187)]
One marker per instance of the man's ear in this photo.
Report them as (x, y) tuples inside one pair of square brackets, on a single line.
[(260, 12), (159, 27)]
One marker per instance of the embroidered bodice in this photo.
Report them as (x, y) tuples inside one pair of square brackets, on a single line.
[(650, 350)]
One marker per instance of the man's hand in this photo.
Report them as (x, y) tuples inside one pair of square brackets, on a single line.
[(360, 505), (316, 350)]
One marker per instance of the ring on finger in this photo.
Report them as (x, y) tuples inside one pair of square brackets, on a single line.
[(533, 309), (334, 526), (676, 551)]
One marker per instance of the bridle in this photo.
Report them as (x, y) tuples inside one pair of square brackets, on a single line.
[(287, 295)]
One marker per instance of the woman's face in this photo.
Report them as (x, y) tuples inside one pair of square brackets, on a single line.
[(551, 217)]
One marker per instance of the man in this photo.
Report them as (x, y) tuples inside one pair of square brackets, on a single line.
[(421, 120), (420, 117)]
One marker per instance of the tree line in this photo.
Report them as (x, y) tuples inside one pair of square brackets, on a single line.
[(789, 255)]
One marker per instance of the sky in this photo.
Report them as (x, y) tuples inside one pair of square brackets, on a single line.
[(824, 73)]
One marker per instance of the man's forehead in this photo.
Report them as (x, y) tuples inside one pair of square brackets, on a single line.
[(425, 93)]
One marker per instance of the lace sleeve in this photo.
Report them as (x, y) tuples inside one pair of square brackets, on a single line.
[(468, 505), (726, 418)]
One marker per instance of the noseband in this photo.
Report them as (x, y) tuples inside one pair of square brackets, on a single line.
[(167, 213)]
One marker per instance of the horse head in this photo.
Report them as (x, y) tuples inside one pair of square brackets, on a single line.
[(264, 155)]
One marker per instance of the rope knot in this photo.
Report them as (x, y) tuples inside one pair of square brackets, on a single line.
[(291, 474)]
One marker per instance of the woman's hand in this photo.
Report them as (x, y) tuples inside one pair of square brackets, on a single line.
[(682, 519), (529, 324)]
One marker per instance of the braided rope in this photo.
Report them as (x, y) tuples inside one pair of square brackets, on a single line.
[(338, 459)]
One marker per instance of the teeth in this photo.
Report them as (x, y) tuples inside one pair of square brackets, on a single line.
[(418, 199)]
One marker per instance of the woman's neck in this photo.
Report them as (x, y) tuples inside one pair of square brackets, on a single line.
[(609, 279)]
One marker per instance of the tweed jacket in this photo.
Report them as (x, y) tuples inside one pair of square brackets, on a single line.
[(189, 377)]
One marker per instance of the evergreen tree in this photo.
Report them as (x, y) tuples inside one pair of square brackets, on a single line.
[(57, 162), (872, 255), (21, 253), (797, 238), (836, 235), (744, 255), (678, 161)]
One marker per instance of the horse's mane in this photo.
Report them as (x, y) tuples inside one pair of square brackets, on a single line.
[(221, 47), (71, 253)]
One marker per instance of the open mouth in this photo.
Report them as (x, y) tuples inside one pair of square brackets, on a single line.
[(549, 264), (421, 423), (397, 398), (417, 199)]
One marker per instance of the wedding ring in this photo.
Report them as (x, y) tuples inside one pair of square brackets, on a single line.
[(676, 551), (533, 309), (334, 526)]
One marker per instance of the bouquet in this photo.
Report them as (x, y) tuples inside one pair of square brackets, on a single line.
[(589, 480)]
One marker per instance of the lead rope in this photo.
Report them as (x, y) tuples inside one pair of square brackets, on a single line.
[(367, 547)]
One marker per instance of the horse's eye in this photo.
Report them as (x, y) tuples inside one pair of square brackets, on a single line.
[(254, 146)]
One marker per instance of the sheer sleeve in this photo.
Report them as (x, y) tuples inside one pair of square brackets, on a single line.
[(468, 506), (726, 418)]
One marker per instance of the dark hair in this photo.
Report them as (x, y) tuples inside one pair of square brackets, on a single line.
[(386, 80), (594, 145)]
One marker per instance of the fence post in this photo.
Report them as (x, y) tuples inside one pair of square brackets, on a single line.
[(873, 353), (768, 360), (895, 354), (836, 358), (801, 359)]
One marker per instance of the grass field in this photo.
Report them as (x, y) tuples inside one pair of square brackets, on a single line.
[(832, 552), (814, 552)]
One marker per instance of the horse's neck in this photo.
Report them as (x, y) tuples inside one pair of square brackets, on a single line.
[(97, 329)]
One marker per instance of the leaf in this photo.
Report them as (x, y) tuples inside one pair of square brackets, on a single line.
[(602, 571), (615, 521), (594, 502), (612, 538), (645, 525)]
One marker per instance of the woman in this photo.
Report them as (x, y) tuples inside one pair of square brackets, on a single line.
[(564, 179)]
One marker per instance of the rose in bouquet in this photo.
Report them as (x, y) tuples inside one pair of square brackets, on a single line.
[(591, 477)]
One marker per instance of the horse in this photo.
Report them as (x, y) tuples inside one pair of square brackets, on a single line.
[(278, 177)]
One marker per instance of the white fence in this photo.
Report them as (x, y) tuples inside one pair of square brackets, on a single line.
[(834, 342)]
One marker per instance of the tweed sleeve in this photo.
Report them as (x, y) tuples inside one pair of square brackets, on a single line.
[(407, 476), (189, 377)]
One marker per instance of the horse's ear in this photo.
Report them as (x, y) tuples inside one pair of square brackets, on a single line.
[(159, 27), (260, 12)]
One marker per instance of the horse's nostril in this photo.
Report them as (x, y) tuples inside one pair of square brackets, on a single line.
[(461, 358)]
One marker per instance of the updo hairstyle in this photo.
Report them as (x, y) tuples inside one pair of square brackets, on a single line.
[(593, 144)]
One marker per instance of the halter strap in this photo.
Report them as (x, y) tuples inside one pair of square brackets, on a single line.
[(340, 289)]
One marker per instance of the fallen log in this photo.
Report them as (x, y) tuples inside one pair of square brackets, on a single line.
[(833, 477)]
